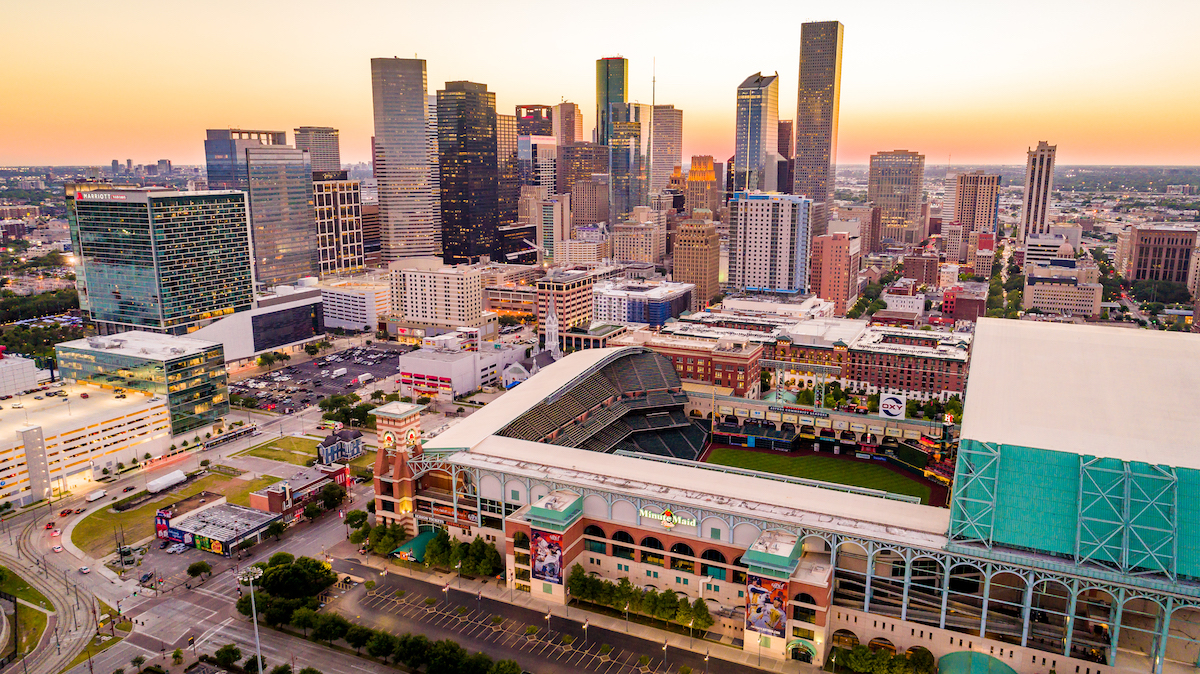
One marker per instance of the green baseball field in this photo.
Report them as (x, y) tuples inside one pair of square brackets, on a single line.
[(822, 467)]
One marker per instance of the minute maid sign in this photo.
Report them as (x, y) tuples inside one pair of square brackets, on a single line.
[(668, 518)]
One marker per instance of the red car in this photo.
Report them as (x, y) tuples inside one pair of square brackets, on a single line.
[(65, 512), (49, 525), (83, 395)]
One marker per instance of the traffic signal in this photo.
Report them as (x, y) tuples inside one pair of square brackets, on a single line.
[(191, 641)]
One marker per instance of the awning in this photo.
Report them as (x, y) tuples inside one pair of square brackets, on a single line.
[(972, 662), (414, 549)]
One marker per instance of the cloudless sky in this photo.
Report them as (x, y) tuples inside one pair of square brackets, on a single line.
[(967, 82)]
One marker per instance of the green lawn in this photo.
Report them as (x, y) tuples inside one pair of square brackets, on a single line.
[(288, 450), (94, 535), (96, 647), (32, 624), (16, 586), (367, 460), (823, 468)]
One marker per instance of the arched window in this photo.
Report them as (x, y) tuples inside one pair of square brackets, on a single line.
[(620, 550), (622, 537), (805, 598), (655, 558), (593, 530), (802, 613), (652, 542), (682, 549), (713, 556), (521, 540), (710, 555)]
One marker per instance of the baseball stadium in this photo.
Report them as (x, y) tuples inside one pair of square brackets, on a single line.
[(1069, 540)]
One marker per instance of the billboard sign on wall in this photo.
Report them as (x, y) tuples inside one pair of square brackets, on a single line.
[(892, 405), (547, 556), (765, 601)]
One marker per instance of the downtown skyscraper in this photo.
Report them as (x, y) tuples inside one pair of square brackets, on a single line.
[(409, 226), (815, 165), (894, 184), (322, 145), (1039, 183), (468, 171), (630, 152), (666, 146), (278, 179), (612, 87), (756, 139)]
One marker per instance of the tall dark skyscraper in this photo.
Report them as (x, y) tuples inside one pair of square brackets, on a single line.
[(535, 120), (817, 117), (612, 86), (630, 152), (225, 154), (466, 115), (511, 232)]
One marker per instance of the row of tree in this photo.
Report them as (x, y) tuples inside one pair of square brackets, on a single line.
[(880, 661), (413, 650), (477, 558), (21, 307), (625, 596)]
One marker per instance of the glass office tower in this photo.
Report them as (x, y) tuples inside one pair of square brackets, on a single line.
[(630, 163), (225, 154), (466, 115), (161, 260), (817, 116), (757, 134), (408, 222), (190, 373), (612, 86)]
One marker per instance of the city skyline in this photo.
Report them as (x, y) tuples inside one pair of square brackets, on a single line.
[(968, 110)]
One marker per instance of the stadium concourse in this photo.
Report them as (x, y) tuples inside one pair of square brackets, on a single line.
[(591, 462)]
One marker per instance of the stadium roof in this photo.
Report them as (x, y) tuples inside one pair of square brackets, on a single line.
[(688, 487), (549, 380), (1090, 390)]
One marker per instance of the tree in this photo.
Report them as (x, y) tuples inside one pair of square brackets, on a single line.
[(177, 656), (205, 463), (311, 349), (382, 645), (330, 627), (138, 661), (684, 614), (281, 559), (253, 665), (413, 650), (198, 568), (310, 670), (358, 636), (276, 529), (479, 663), (304, 618), (227, 655), (281, 669), (313, 510), (668, 605), (505, 667), (701, 618), (922, 661), (859, 659), (332, 495), (445, 657), (356, 518)]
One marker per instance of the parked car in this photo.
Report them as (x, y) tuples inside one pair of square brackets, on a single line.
[(83, 395), (163, 545)]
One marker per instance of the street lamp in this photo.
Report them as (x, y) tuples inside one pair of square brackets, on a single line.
[(626, 617), (458, 572), (250, 574), (547, 623), (706, 661), (690, 622), (446, 592), (585, 626), (665, 653)]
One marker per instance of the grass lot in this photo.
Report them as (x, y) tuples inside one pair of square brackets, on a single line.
[(96, 647), (32, 624), (94, 535), (824, 468), (289, 450), (367, 460), (16, 586)]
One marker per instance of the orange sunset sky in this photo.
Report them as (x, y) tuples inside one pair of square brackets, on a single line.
[(966, 82)]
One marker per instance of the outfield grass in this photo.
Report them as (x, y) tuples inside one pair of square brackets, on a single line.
[(823, 468), (94, 535), (16, 586), (294, 450)]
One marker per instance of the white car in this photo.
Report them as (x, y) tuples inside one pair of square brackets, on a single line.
[(57, 548), (84, 569)]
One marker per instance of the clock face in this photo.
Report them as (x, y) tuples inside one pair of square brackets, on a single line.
[(413, 436), (389, 439)]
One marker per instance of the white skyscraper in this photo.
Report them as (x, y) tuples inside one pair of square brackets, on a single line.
[(769, 239), (435, 172), (1039, 182), (408, 222), (666, 146)]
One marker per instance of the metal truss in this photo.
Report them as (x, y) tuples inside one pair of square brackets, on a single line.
[(1127, 519), (973, 508)]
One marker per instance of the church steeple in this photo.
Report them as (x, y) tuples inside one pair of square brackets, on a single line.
[(552, 331)]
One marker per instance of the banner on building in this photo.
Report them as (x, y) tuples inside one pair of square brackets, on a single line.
[(765, 602), (547, 556), (893, 405)]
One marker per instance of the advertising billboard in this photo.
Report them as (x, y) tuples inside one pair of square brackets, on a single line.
[(892, 405), (162, 522), (547, 556), (765, 602)]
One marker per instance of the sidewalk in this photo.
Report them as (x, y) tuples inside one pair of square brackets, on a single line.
[(346, 552)]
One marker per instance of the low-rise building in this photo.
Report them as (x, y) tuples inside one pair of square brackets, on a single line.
[(289, 496), (448, 373), (649, 302), (206, 522), (284, 319), (341, 446), (919, 364), (356, 305), (16, 373), (511, 299), (982, 265), (1061, 295), (964, 304)]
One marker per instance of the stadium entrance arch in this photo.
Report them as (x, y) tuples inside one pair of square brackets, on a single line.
[(802, 650)]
